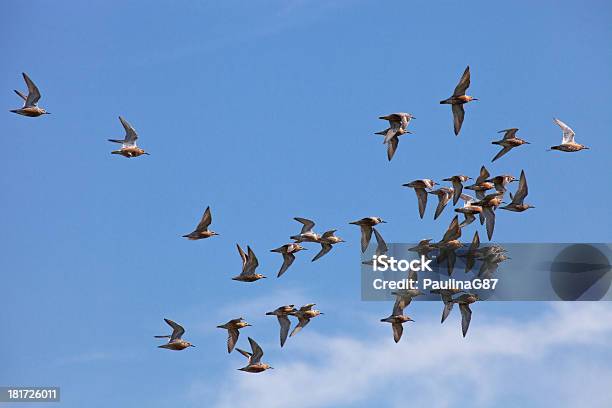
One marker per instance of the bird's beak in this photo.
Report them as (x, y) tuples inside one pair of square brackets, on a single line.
[(321, 313), (192, 345), (474, 99), (47, 113), (383, 222), (527, 143)]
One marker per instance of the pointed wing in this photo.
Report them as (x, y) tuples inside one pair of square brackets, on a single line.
[(483, 176), (466, 317), (489, 216), (392, 147), (33, 92), (448, 307), (130, 133), (475, 241), (22, 96), (503, 151), (509, 133), (457, 190), (328, 234), (422, 198), (232, 338), (568, 133), (307, 225), (521, 191), (381, 245), (244, 353), (177, 329), (398, 329), (242, 256), (458, 115), (391, 132), (205, 221), (453, 232), (257, 352), (302, 322), (307, 307), (325, 248), (442, 201), (285, 324), (252, 263), (366, 235), (288, 259), (464, 83)]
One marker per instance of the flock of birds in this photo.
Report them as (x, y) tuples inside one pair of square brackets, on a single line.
[(484, 205)]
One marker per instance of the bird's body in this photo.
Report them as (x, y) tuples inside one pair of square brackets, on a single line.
[(398, 123), (306, 234), (233, 327), (509, 141), (288, 251), (254, 364), (500, 182), (469, 210), (366, 225), (304, 314), (30, 102), (282, 314), (327, 241), (249, 265), (458, 99), (176, 342)]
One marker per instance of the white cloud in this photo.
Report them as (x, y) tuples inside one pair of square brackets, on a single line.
[(551, 358)]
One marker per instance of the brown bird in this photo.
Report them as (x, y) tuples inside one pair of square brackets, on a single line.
[(447, 298), (249, 264), (232, 328), (489, 203), (366, 225), (500, 182), (419, 187), (304, 314), (449, 243), (287, 250), (457, 181), (517, 204), (458, 99), (30, 103), (175, 342), (254, 364), (327, 240), (423, 248), (509, 142), (129, 148), (464, 301), (444, 195), (201, 231), (567, 144), (306, 234), (397, 319), (398, 123), (281, 314), (468, 210), (481, 185)]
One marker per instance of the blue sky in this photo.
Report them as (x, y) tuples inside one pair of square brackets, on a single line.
[(266, 111)]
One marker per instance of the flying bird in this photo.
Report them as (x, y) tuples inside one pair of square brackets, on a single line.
[(282, 314), (449, 243), (397, 319), (327, 241), (500, 182), (233, 327), (128, 143), (517, 204), (420, 187), (489, 203), (249, 264), (254, 364), (366, 225), (288, 251), (509, 142), (398, 123), (567, 144), (464, 301), (306, 234), (30, 102), (458, 99), (481, 184), (201, 231), (304, 314), (468, 210), (175, 342), (457, 182)]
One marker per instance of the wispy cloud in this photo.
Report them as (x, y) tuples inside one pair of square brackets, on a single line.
[(527, 362)]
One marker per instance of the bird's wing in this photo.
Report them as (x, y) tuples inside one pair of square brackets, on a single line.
[(503, 151), (302, 322), (244, 353), (288, 259), (521, 191), (489, 216), (325, 248), (328, 234), (401, 302), (398, 329), (453, 232), (22, 96), (457, 190), (366, 235), (469, 218), (458, 115), (467, 198), (442, 201), (285, 324), (509, 133), (464, 83), (448, 307), (205, 221), (568, 133), (475, 241), (33, 92), (392, 147), (422, 199), (252, 263), (242, 256), (466, 317), (306, 307), (257, 352), (307, 225), (130, 133), (483, 176), (232, 338), (381, 245), (177, 329)]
